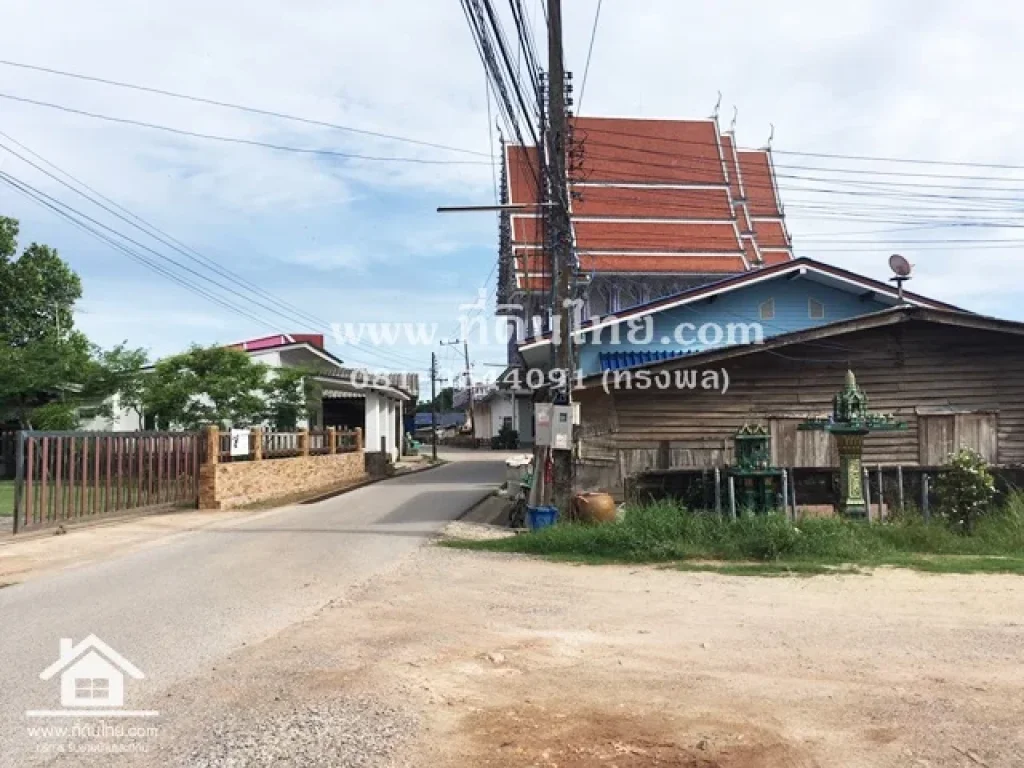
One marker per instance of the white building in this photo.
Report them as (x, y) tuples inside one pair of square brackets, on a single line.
[(349, 398), (500, 407)]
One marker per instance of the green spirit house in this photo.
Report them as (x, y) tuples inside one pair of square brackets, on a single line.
[(758, 484), (849, 423)]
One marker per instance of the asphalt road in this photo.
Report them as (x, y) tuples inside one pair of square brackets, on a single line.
[(176, 608)]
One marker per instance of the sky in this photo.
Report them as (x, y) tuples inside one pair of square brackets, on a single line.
[(359, 241)]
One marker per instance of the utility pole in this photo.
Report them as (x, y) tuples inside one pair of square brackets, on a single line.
[(433, 405), (561, 240), (469, 380), (469, 386)]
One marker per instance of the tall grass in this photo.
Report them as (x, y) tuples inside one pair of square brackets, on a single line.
[(663, 532)]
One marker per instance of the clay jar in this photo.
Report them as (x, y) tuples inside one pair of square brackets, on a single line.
[(594, 507)]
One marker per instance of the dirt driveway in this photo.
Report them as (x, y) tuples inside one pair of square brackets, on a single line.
[(465, 659)]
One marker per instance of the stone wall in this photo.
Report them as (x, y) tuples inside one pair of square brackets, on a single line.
[(235, 484)]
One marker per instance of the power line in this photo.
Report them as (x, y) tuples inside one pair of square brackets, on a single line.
[(824, 155), (236, 140), (176, 245), (701, 163), (77, 217), (590, 51), (38, 197), (240, 107)]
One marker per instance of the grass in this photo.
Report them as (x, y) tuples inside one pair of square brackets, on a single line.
[(772, 545), (6, 498)]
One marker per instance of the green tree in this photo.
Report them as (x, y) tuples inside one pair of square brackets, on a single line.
[(38, 290), (289, 393), (206, 385), (223, 386), (444, 402), (48, 368)]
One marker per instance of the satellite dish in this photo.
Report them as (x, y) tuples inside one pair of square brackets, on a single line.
[(900, 266)]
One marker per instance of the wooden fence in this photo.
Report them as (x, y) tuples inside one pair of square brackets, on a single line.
[(68, 476)]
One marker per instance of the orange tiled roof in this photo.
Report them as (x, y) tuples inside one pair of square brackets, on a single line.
[(654, 197)]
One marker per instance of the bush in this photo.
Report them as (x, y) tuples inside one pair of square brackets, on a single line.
[(965, 489), (507, 438)]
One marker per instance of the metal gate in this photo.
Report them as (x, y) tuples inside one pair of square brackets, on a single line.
[(69, 476)]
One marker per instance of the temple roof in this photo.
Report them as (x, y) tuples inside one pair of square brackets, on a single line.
[(653, 197)]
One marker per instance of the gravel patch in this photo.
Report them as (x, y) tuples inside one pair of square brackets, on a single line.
[(350, 732), (459, 529)]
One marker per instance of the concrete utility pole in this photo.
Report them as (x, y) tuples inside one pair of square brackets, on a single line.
[(561, 242), (469, 386), (469, 381), (433, 405)]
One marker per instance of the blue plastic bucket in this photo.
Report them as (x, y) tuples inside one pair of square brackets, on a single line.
[(541, 517)]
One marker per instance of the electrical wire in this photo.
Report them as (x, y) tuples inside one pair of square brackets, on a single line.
[(237, 140), (190, 253), (822, 155), (240, 107), (93, 226), (590, 51)]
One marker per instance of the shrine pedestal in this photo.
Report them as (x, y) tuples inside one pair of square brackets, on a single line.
[(851, 485)]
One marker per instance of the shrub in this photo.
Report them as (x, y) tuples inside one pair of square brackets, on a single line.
[(965, 489)]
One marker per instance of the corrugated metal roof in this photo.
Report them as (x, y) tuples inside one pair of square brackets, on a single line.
[(444, 420), (617, 361)]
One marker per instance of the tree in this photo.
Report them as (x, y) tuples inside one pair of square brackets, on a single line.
[(223, 386), (445, 402), (38, 291), (289, 394), (48, 368), (205, 385)]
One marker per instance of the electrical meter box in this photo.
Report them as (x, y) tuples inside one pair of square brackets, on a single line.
[(542, 423), (561, 427)]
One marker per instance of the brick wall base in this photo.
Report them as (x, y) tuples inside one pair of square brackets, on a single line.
[(235, 484)]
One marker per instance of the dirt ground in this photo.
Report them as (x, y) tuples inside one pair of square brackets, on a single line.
[(496, 660)]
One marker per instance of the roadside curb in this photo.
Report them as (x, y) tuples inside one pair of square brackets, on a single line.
[(475, 506), (370, 481)]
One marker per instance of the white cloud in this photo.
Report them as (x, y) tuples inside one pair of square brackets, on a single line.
[(873, 78), (327, 259)]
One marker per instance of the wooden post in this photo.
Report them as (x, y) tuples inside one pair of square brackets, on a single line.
[(866, 480), (899, 485), (785, 493), (20, 476), (732, 496), (881, 492), (359, 439), (256, 440), (718, 491), (59, 499), (792, 491), (304, 442), (924, 498), (332, 440)]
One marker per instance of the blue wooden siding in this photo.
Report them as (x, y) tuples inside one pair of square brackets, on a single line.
[(736, 308)]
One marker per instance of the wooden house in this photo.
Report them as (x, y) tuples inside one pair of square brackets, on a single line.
[(667, 384), (955, 378)]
